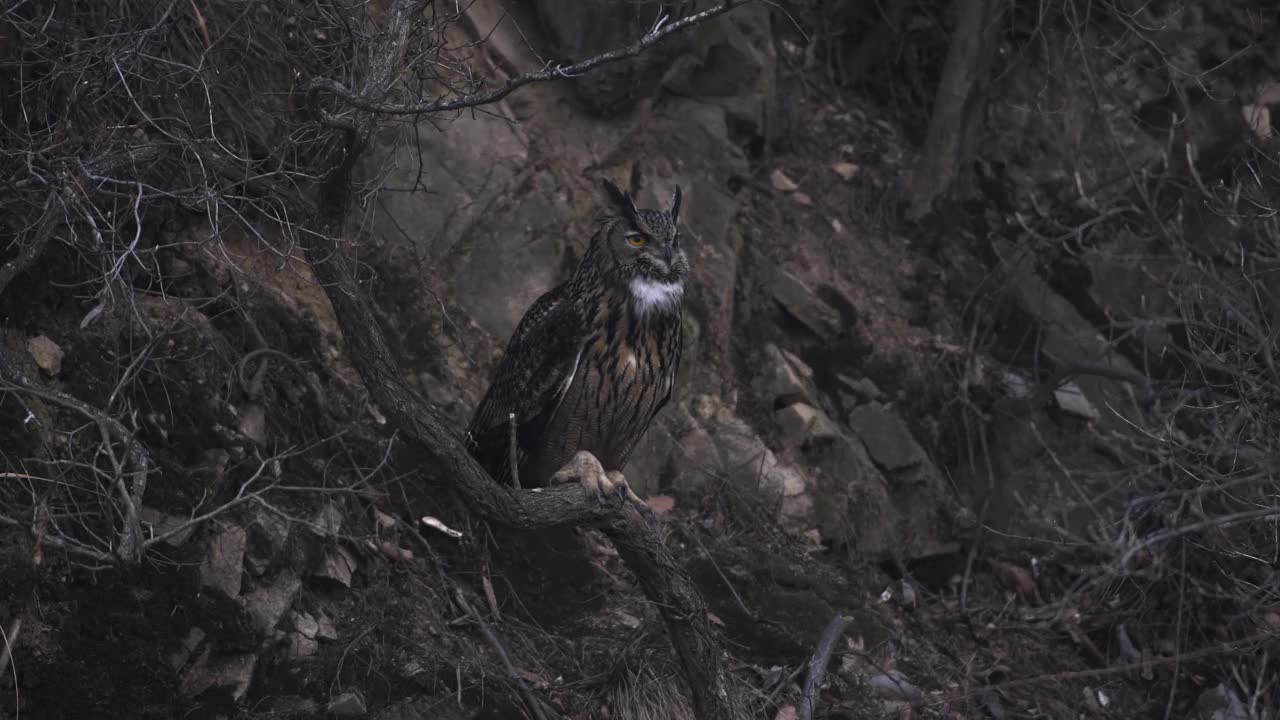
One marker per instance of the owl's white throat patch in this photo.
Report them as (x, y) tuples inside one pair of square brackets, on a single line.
[(651, 295)]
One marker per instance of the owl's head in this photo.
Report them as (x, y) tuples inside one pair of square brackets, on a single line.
[(645, 249)]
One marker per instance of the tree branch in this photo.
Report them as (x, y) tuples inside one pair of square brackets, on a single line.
[(958, 106), (639, 543), (373, 103)]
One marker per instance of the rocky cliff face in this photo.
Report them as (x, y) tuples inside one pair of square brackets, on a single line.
[(859, 394)]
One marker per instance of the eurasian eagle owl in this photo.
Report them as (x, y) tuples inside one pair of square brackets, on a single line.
[(595, 358)]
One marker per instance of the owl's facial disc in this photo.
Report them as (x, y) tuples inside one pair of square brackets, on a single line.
[(648, 261)]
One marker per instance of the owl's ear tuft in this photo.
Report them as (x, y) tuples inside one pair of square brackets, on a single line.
[(621, 200), (675, 207)]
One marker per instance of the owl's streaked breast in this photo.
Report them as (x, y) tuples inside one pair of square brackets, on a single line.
[(623, 377)]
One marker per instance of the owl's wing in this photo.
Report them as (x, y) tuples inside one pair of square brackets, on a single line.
[(530, 380)]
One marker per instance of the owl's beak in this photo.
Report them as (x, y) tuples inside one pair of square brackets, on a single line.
[(667, 253)]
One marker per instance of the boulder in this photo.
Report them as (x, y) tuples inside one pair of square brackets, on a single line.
[(268, 603), (251, 421), (267, 534), (348, 704), (886, 436), (801, 303), (232, 675), (854, 510), (650, 465), (1067, 337), (301, 646), (306, 624), (179, 657), (732, 64), (856, 391), (745, 461), (784, 378), (512, 255), (337, 564), (696, 459), (223, 563), (802, 424), (47, 354), (325, 628)]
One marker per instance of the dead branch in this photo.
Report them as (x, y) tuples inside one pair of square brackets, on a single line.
[(638, 539), (10, 638), (29, 253), (136, 463), (958, 107), (372, 103), (1245, 644), (831, 634), (535, 705)]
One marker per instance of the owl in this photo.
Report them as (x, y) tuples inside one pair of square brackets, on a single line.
[(594, 359)]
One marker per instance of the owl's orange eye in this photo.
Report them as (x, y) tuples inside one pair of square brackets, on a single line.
[(635, 240)]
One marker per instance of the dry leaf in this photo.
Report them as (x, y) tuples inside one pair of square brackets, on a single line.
[(383, 520), (435, 524), (787, 712), (908, 596), (846, 170), (781, 182), (47, 354), (1014, 577), (661, 504), (1259, 119), (533, 678), (803, 199)]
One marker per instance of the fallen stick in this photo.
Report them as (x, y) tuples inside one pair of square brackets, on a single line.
[(818, 664)]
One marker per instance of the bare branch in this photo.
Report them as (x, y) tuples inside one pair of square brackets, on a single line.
[(136, 463), (372, 104), (531, 700)]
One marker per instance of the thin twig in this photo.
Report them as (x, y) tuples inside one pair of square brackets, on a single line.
[(535, 706), (732, 590), (37, 560), (1059, 677), (375, 105), (137, 462)]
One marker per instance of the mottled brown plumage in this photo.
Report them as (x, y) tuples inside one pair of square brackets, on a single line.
[(595, 358)]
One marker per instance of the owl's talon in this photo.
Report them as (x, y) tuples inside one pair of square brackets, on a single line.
[(620, 489), (610, 488)]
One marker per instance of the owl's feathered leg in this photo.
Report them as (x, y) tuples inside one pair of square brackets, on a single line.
[(586, 470)]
